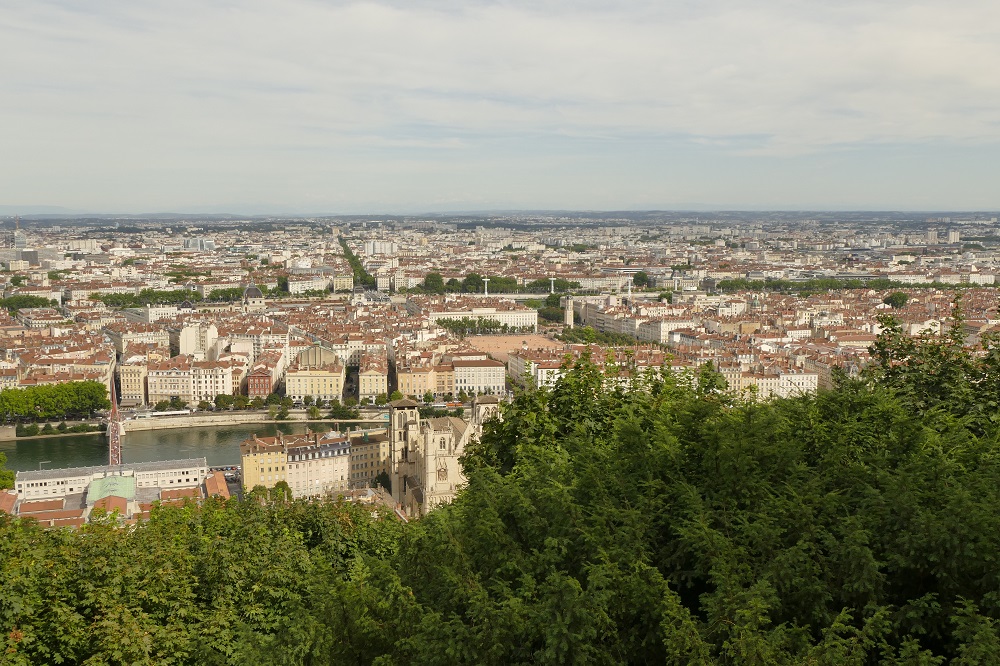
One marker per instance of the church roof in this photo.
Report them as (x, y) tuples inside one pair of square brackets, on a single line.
[(403, 403), (252, 291)]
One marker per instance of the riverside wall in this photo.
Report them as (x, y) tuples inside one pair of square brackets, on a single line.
[(377, 419), (237, 418)]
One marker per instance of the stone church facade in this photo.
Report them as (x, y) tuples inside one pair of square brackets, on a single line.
[(426, 452)]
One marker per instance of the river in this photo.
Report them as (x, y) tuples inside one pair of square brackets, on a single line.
[(220, 445)]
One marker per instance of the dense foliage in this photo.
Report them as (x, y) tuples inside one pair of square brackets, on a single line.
[(236, 583), (817, 285), (361, 276), (473, 283), (666, 523), (70, 400), (590, 335), (147, 297), (474, 326), (17, 302), (6, 475)]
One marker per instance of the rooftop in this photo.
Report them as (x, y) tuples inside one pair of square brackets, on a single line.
[(154, 466)]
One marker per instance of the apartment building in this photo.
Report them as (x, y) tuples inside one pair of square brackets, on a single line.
[(170, 379), (480, 376), (373, 376), (124, 334), (264, 375), (210, 379), (370, 457), (133, 373), (325, 382), (319, 465), (313, 465)]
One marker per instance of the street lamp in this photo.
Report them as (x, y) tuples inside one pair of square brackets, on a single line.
[(42, 462)]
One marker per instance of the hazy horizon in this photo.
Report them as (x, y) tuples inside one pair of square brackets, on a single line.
[(308, 107), (29, 212)]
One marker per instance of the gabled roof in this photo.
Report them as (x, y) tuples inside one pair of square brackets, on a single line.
[(403, 403)]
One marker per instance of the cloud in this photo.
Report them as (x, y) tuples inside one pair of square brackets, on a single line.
[(253, 86)]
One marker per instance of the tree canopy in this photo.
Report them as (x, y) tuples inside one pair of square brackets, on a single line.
[(434, 283), (70, 400), (6, 475), (896, 299), (20, 301), (663, 522)]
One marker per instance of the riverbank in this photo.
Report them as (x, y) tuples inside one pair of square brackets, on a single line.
[(8, 433), (237, 418), (99, 433)]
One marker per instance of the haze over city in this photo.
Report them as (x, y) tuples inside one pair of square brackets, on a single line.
[(339, 107)]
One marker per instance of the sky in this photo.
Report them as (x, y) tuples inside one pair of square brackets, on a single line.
[(310, 106)]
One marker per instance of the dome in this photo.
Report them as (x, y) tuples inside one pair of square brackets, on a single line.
[(252, 292)]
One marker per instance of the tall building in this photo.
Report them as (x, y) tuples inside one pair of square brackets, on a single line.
[(381, 247)]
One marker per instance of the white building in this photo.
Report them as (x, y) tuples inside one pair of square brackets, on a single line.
[(480, 376), (56, 483), (381, 247), (319, 465), (302, 283)]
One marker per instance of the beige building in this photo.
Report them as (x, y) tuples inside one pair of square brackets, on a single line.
[(373, 377), (263, 461), (343, 282), (480, 376), (419, 376), (325, 382), (415, 379), (170, 379), (125, 334), (319, 464), (133, 373), (370, 456)]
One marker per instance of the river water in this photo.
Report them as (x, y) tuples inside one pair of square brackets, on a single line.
[(220, 445)]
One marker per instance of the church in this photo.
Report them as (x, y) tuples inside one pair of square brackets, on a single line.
[(253, 299), (425, 452)]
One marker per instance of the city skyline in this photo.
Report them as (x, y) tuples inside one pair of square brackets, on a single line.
[(316, 108)]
